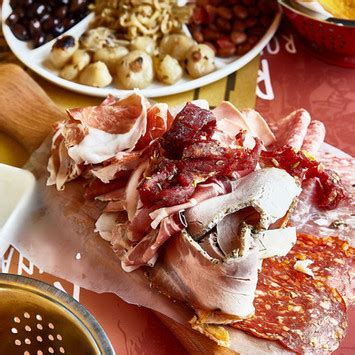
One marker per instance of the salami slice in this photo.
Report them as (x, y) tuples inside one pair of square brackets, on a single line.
[(314, 137), (306, 315), (312, 220), (333, 261), (293, 129)]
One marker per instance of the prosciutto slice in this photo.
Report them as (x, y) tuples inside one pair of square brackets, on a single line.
[(230, 121)]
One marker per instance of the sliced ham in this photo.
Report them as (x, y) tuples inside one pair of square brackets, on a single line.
[(258, 126), (230, 121), (146, 250), (110, 129)]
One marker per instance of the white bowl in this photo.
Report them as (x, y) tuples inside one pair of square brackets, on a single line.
[(36, 59), (16, 190)]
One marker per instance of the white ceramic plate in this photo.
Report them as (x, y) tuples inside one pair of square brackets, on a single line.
[(36, 59)]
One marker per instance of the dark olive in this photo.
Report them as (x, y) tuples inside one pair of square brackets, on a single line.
[(12, 19), (20, 32), (35, 27), (36, 10), (58, 29), (63, 2), (39, 40), (77, 5), (48, 24), (27, 2), (61, 12), (20, 12), (68, 22)]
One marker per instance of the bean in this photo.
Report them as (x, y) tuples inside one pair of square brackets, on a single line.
[(224, 12), (253, 39), (223, 24), (239, 25), (251, 22), (240, 12), (238, 37), (226, 52), (210, 35), (243, 48), (198, 36)]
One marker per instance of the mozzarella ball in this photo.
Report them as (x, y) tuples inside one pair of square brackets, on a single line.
[(110, 56), (135, 70), (81, 59), (176, 45), (96, 74), (144, 43), (167, 69), (62, 51), (200, 60), (69, 72)]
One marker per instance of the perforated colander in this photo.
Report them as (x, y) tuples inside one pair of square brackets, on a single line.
[(38, 319), (329, 41)]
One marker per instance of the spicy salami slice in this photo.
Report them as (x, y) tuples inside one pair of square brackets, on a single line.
[(333, 261), (312, 220), (304, 314)]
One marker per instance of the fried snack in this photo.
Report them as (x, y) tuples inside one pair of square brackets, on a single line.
[(133, 18)]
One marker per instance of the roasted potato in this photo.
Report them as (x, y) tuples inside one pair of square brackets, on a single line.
[(176, 45), (62, 51), (135, 70), (167, 69), (96, 74), (200, 60), (110, 56)]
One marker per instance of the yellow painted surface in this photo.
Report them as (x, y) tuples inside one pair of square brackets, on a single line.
[(176, 99), (11, 152), (244, 93), (214, 93)]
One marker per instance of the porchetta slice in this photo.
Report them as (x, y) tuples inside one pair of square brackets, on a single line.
[(221, 244)]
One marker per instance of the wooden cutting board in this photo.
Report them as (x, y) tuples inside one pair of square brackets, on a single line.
[(26, 115)]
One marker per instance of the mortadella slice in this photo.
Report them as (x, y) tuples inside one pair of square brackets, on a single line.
[(269, 191), (186, 272)]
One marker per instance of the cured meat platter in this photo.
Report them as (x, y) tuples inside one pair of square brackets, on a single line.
[(37, 59), (302, 282)]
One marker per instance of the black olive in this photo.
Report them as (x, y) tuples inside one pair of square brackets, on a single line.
[(20, 12), (48, 24), (61, 12), (27, 2), (20, 32), (36, 10), (77, 5), (12, 19), (68, 22), (35, 27), (38, 40), (58, 29)]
